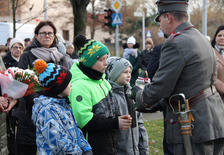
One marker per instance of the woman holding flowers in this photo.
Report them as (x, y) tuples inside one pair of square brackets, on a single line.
[(43, 46)]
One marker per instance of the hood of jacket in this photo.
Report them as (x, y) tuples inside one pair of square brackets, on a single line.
[(116, 88), (120, 89), (42, 102)]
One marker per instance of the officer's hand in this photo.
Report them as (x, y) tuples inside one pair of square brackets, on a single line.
[(139, 105), (134, 91), (156, 107)]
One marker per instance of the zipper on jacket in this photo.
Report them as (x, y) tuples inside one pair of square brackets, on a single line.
[(102, 90)]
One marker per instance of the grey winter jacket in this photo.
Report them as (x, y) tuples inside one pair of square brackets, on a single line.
[(133, 141)]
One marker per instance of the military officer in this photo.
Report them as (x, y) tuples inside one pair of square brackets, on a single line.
[(188, 66)]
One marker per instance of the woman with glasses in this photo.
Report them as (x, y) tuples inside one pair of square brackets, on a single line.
[(44, 47), (16, 48)]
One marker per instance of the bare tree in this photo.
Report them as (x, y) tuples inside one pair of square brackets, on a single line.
[(14, 9)]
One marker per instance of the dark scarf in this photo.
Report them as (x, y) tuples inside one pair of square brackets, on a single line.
[(91, 73), (49, 94)]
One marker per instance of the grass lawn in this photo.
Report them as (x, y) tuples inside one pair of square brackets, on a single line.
[(155, 132)]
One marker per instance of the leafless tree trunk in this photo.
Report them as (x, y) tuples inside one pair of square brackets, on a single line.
[(80, 16)]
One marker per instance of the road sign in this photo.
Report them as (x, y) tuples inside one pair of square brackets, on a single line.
[(116, 5), (116, 18), (148, 34)]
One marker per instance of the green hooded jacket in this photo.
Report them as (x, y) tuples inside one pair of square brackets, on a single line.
[(94, 110)]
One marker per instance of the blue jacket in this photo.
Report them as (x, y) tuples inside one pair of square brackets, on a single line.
[(56, 128)]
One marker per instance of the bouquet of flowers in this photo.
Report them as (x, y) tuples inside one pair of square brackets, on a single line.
[(143, 79), (16, 82)]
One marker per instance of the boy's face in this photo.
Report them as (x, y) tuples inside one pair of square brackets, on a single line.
[(67, 91), (101, 64), (125, 77)]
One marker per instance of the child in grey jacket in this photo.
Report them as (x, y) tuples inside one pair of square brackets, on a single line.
[(134, 140)]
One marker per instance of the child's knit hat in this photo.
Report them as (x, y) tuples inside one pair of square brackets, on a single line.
[(116, 66), (131, 40), (54, 78), (16, 40), (89, 50)]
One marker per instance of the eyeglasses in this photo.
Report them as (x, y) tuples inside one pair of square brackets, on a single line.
[(44, 34), (17, 47)]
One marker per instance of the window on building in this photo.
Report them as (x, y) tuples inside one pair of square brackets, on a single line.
[(66, 34)]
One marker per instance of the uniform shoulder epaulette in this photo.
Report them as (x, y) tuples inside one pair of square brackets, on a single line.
[(175, 34), (179, 32)]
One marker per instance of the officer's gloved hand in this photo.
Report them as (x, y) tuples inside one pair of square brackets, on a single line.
[(134, 91), (156, 107), (139, 105), (88, 152)]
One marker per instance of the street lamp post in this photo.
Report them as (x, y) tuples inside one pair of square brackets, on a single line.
[(45, 9), (204, 19), (143, 29)]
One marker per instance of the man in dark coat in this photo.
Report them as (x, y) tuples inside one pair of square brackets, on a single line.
[(187, 65), (153, 63)]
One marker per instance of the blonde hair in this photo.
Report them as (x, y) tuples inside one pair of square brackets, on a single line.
[(149, 41)]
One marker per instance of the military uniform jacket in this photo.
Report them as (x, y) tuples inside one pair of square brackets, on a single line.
[(186, 66)]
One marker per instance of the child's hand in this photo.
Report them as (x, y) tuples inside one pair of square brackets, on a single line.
[(3, 103), (124, 122)]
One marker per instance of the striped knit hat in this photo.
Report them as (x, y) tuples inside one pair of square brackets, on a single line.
[(54, 78), (89, 50)]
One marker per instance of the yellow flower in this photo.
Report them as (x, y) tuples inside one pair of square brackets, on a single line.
[(93, 49), (82, 59)]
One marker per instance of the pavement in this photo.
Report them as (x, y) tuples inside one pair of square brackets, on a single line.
[(152, 116)]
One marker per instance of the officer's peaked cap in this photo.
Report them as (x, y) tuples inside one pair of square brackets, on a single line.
[(171, 5)]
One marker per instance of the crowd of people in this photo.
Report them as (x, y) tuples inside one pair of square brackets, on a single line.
[(91, 104), (69, 116)]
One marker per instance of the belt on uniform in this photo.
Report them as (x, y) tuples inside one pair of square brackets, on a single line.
[(203, 94)]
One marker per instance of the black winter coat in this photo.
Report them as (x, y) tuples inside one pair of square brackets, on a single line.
[(9, 61), (144, 59), (153, 63)]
